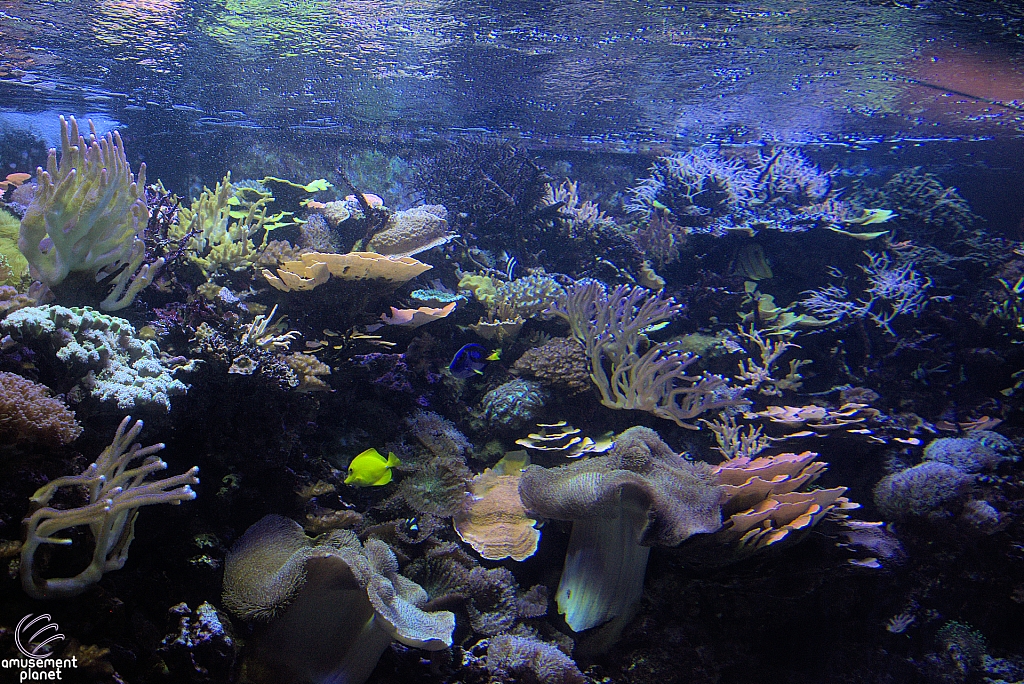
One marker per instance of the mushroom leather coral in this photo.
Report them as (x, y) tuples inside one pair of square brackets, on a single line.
[(640, 494), (334, 605)]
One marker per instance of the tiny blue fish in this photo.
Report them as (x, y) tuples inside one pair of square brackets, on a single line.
[(471, 360)]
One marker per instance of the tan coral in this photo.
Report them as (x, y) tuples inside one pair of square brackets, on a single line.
[(494, 521), (745, 481), (498, 331), (336, 213), (413, 231), (820, 419), (414, 318), (309, 369), (561, 436), (762, 506), (314, 268)]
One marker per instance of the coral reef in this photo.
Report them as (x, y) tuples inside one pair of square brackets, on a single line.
[(925, 490), (412, 231), (493, 520)]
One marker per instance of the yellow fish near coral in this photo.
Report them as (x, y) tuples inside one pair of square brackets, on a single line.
[(370, 469)]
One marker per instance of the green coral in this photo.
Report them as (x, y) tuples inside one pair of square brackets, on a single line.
[(11, 257), (220, 225), (91, 212)]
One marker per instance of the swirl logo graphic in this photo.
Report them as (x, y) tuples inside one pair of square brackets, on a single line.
[(31, 636)]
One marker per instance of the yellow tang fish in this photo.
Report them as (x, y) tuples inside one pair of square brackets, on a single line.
[(369, 469)]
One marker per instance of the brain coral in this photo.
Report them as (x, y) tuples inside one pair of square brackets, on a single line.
[(560, 362), (513, 404)]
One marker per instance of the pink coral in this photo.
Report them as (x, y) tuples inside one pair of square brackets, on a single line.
[(29, 414)]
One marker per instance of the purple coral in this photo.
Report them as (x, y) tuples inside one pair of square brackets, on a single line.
[(523, 659), (392, 372)]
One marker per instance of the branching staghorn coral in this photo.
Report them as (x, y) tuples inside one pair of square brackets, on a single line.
[(896, 290), (116, 493), (211, 240), (737, 441), (630, 372), (758, 373), (90, 214)]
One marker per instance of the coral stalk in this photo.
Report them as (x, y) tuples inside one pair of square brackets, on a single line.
[(116, 493)]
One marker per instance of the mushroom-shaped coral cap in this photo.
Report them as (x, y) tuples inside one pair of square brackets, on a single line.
[(681, 497), (640, 494), (333, 604)]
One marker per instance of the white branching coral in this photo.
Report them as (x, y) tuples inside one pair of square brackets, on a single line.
[(891, 291), (89, 214)]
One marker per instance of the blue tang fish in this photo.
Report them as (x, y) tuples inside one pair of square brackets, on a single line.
[(471, 360)]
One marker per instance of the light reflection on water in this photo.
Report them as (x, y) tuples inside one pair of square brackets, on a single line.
[(615, 73)]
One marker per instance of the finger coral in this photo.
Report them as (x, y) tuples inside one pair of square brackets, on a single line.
[(29, 414), (116, 493), (610, 326), (89, 214)]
